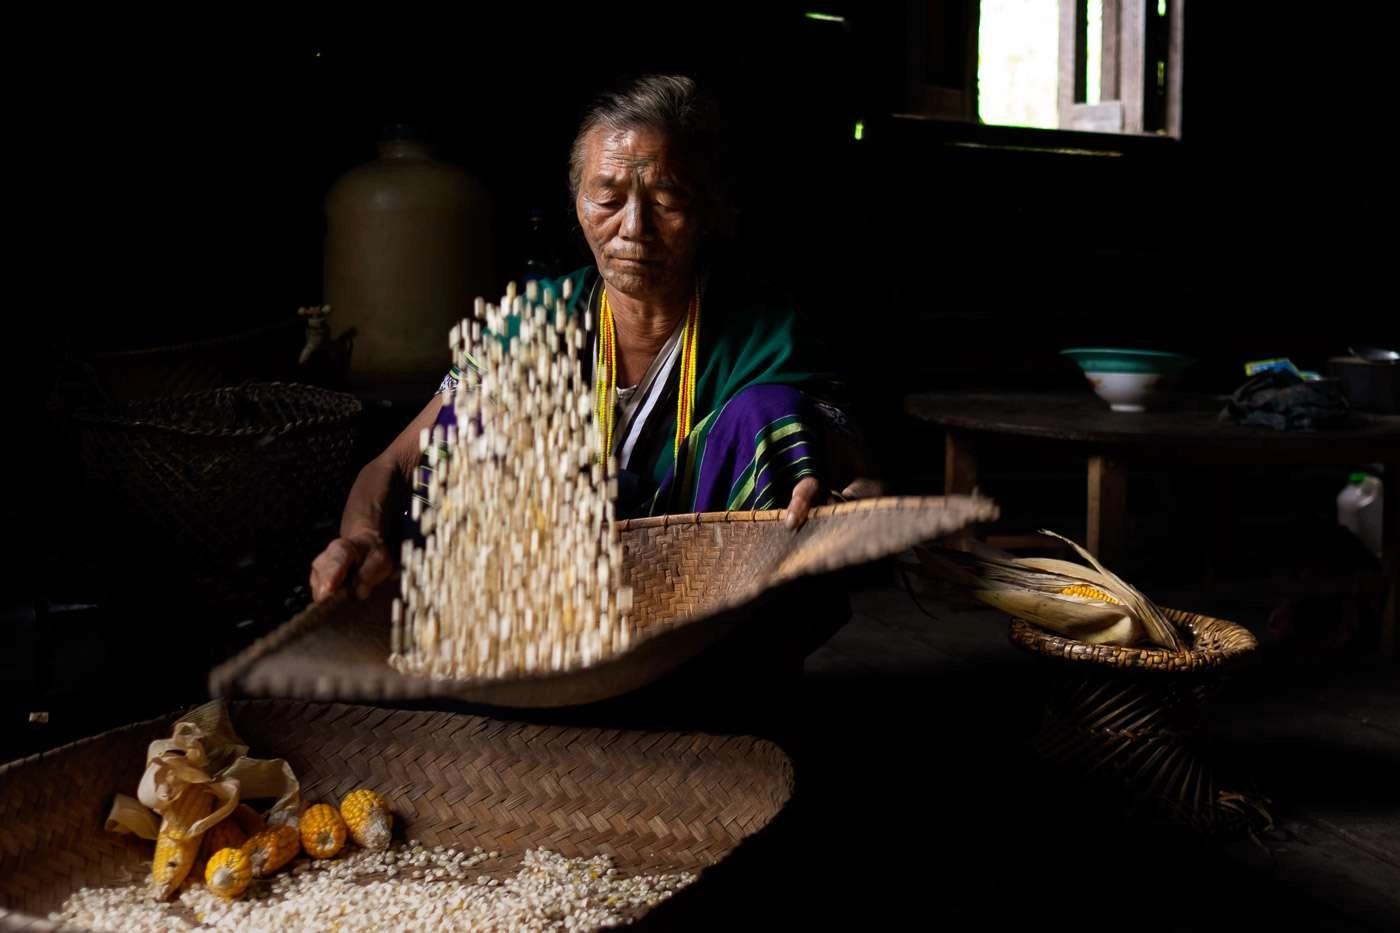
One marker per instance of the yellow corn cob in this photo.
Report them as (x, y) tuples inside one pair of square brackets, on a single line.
[(368, 818), (176, 848), (225, 834), (322, 831), (229, 872), (1085, 591), (272, 848)]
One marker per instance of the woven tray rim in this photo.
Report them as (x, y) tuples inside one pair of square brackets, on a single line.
[(1236, 642), (342, 405), (881, 504)]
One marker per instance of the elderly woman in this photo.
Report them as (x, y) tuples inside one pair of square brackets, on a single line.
[(716, 405)]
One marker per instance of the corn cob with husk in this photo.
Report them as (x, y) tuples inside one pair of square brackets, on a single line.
[(1089, 604), (225, 834), (177, 845), (248, 820)]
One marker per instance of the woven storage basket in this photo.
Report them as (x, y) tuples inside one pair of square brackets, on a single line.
[(653, 801), (1134, 717), (695, 577), (216, 480)]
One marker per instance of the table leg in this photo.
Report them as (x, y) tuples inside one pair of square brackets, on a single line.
[(1390, 560), (1108, 508), (959, 475), (1221, 546), (959, 464)]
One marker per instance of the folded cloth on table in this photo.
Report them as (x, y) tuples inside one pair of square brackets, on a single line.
[(1285, 402)]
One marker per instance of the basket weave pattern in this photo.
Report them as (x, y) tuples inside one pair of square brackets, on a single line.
[(652, 801), (206, 481)]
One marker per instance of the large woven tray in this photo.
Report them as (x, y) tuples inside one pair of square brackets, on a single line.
[(694, 577), (653, 801)]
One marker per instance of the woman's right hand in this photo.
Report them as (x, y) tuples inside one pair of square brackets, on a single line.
[(360, 557)]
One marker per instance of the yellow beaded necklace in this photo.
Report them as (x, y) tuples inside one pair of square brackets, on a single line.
[(605, 376)]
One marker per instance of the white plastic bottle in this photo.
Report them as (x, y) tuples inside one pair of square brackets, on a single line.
[(1359, 507)]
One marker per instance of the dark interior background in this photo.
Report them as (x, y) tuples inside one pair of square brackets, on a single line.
[(169, 172)]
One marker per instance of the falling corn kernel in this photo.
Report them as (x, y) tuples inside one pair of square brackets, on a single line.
[(519, 571)]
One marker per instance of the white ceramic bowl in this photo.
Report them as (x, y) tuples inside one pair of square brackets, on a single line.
[(1129, 380), (1130, 391)]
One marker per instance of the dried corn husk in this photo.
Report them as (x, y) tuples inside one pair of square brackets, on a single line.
[(1097, 623), (204, 762), (1086, 603), (1160, 631)]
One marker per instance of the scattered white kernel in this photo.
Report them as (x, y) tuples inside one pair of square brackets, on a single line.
[(351, 894)]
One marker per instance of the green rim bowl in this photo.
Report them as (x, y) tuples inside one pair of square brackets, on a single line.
[(1109, 360)]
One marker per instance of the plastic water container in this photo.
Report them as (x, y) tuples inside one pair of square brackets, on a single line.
[(1359, 507)]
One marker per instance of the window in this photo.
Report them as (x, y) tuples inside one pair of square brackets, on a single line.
[(1106, 66)]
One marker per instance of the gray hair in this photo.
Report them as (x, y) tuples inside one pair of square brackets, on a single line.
[(673, 106)]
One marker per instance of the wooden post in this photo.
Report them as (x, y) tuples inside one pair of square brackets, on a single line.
[(1390, 560), (1072, 66), (1108, 508), (1176, 43), (1223, 523), (959, 464), (1132, 63), (1108, 52)]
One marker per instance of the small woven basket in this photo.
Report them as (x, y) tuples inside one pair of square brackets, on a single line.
[(652, 801), (208, 482), (1135, 717)]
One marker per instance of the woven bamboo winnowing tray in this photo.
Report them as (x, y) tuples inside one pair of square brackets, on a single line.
[(694, 578), (653, 801)]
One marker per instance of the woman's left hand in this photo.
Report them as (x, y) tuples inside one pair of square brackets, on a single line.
[(808, 490)]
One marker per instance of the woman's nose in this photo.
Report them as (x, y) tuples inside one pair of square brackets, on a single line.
[(636, 224)]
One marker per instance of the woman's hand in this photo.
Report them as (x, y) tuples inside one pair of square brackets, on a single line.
[(808, 490), (863, 487), (803, 495), (359, 554), (361, 557)]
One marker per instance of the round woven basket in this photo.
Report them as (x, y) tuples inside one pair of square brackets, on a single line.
[(1211, 644), (652, 801), (1133, 718), (217, 480)]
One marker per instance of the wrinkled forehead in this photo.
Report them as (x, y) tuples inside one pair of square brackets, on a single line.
[(626, 156)]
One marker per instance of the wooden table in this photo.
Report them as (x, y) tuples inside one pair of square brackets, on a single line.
[(1190, 434)]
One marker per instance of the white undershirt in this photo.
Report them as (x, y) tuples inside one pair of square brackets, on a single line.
[(643, 395)]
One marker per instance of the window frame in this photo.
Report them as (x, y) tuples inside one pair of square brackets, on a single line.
[(1134, 40)]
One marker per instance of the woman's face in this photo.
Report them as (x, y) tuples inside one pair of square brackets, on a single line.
[(636, 213)]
